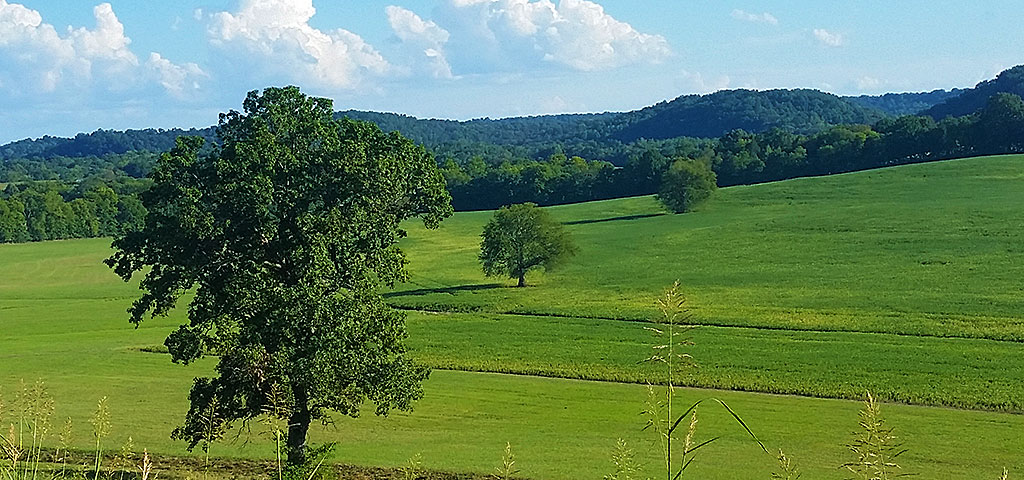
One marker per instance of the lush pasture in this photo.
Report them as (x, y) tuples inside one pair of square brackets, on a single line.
[(970, 373), (822, 287), (65, 283), (929, 249), (560, 429)]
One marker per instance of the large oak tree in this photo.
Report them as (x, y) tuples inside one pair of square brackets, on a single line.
[(284, 230)]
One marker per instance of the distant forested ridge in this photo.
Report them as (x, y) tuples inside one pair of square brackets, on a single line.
[(741, 157), (100, 143), (49, 187), (702, 116), (905, 103), (968, 102), (714, 114)]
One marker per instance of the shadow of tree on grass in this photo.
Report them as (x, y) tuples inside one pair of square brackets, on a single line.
[(449, 290), (614, 219)]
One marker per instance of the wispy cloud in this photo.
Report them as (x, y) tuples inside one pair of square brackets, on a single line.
[(696, 83), (828, 38), (866, 83), (755, 17)]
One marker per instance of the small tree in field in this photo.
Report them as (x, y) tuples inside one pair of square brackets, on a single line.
[(284, 233), (520, 238), (686, 184)]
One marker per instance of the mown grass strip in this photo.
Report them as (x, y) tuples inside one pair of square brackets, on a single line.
[(962, 373)]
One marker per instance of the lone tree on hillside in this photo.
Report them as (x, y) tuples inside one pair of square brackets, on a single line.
[(284, 233), (520, 238), (686, 184)]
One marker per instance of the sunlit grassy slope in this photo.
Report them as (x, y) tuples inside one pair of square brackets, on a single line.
[(930, 249)]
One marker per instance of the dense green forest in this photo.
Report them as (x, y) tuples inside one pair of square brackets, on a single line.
[(1009, 81), (49, 210), (905, 103), (52, 185), (602, 135), (134, 164), (99, 143), (741, 157)]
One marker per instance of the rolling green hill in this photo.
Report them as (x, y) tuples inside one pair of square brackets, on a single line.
[(910, 103), (710, 115), (904, 281), (931, 249), (972, 99)]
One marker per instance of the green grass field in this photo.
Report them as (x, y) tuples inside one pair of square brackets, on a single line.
[(928, 249), (906, 282)]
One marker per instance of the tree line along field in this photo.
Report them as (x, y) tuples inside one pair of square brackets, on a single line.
[(904, 281)]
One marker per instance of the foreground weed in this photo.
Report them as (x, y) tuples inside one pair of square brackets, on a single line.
[(875, 446), (32, 408), (274, 413), (668, 352), (100, 429), (658, 410), (413, 470), (787, 468), (146, 467), (508, 469), (126, 459), (213, 428), (12, 453), (63, 446), (624, 460)]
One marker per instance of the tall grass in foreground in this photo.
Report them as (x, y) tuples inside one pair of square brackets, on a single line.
[(25, 427), (24, 455), (669, 352)]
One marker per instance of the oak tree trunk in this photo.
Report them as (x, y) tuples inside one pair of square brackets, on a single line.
[(298, 427)]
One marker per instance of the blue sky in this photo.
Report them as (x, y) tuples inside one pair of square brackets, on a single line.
[(68, 66)]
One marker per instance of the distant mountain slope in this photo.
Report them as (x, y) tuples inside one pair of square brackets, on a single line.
[(706, 116), (968, 102), (599, 135), (712, 115), (505, 131), (905, 103), (99, 143)]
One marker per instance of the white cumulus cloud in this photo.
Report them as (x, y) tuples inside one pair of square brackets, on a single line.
[(829, 38), (176, 79), (37, 59), (755, 17), (578, 34), (275, 35), (424, 39)]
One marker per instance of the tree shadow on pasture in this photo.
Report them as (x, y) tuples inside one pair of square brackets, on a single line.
[(449, 290), (614, 219)]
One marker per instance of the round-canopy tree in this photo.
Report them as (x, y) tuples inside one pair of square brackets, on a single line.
[(686, 184), (520, 238), (284, 232)]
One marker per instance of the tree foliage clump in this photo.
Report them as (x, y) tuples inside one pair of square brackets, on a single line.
[(520, 238), (686, 184), (284, 232), (45, 210)]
